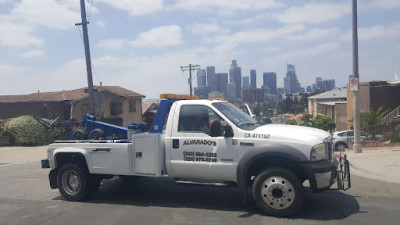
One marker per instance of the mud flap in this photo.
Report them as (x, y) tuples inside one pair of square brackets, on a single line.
[(343, 173)]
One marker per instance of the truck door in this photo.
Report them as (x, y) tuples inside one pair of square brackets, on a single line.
[(194, 153)]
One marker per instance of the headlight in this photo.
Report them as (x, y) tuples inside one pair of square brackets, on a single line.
[(318, 152)]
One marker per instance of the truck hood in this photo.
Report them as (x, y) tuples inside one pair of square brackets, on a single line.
[(293, 133)]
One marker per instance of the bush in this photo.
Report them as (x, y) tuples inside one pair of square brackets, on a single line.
[(291, 122), (5, 138), (27, 131)]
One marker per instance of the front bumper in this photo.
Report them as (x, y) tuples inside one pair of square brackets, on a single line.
[(325, 173)]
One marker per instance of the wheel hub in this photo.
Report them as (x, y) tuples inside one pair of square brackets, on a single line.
[(277, 192), (71, 182)]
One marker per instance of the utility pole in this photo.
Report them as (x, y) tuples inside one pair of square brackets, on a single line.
[(190, 68), (92, 103), (356, 107)]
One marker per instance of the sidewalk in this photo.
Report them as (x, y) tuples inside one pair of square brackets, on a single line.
[(18, 154), (376, 163)]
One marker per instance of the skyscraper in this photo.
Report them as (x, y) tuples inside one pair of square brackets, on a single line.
[(326, 85), (201, 78), (253, 79), (291, 84), (269, 79), (246, 82), (235, 77), (222, 82), (211, 78)]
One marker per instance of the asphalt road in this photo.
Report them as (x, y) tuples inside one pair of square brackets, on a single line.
[(26, 198)]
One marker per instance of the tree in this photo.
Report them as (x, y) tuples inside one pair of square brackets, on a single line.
[(307, 120), (324, 123), (371, 118)]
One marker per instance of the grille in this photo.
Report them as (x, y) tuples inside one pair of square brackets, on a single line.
[(328, 147)]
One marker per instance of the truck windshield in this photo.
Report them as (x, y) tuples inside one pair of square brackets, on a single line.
[(236, 116)]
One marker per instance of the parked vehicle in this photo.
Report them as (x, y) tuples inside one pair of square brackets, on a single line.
[(342, 139), (206, 140)]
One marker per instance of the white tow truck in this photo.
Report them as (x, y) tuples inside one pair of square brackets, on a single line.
[(206, 140)]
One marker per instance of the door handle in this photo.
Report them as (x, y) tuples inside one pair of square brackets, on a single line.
[(175, 143), (102, 150)]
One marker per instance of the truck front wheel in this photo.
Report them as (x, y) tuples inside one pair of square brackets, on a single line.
[(278, 192), (73, 182)]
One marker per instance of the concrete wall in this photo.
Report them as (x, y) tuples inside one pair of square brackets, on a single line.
[(341, 116)]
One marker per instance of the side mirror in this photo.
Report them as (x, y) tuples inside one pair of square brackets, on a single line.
[(215, 128), (228, 131)]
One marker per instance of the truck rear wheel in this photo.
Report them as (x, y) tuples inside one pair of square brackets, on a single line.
[(74, 182), (79, 135), (97, 134), (278, 192)]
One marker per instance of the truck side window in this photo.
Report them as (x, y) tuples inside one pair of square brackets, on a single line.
[(196, 119)]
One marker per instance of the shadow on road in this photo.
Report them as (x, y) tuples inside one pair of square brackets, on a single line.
[(163, 192)]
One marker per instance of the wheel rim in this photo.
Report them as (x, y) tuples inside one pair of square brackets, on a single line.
[(71, 182), (96, 136), (278, 192)]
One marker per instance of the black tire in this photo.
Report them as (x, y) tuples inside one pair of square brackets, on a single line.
[(278, 192), (94, 184), (74, 182), (97, 134), (79, 135), (340, 146)]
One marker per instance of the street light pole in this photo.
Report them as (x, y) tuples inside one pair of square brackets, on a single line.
[(356, 108)]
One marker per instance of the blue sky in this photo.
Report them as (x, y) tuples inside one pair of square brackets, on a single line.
[(140, 44)]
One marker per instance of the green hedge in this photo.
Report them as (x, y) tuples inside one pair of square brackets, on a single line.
[(25, 130), (5, 138)]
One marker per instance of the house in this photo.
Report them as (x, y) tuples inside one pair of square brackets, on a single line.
[(113, 104), (332, 104)]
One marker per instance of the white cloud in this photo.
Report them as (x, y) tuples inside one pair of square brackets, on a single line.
[(18, 35), (272, 49), (100, 23), (374, 32), (226, 6), (137, 7), (48, 13), (313, 13), (12, 71), (384, 4), (256, 35), (206, 28), (159, 37), (33, 54), (113, 43), (305, 53), (316, 34)]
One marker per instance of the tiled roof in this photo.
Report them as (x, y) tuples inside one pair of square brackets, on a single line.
[(66, 95)]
